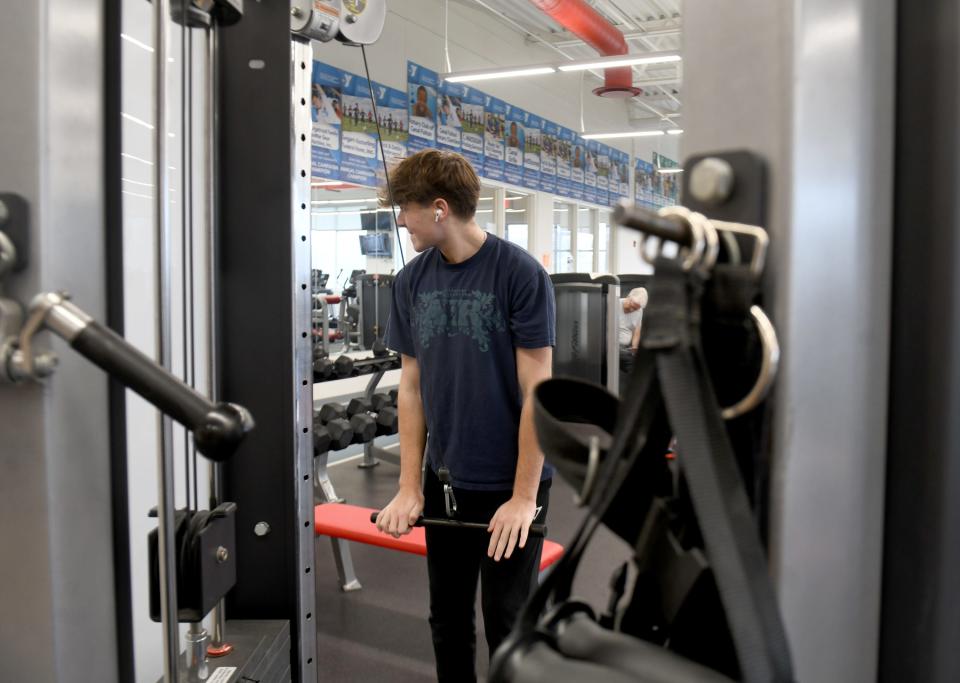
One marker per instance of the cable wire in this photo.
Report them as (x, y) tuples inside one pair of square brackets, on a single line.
[(383, 155)]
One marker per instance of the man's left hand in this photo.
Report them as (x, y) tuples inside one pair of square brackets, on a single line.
[(510, 523)]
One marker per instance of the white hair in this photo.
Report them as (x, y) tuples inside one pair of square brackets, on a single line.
[(639, 296)]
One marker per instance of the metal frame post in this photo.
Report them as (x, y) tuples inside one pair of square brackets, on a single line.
[(264, 284), (827, 285)]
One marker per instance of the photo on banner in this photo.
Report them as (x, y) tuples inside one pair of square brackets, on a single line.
[(450, 116), (590, 171), (471, 139), (613, 180), (548, 157), (643, 184), (603, 174), (358, 160), (392, 109), (514, 144), (533, 126), (496, 120), (666, 185), (565, 145), (326, 110), (422, 86), (577, 166), (625, 170)]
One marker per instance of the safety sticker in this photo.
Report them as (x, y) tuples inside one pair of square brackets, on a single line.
[(221, 674)]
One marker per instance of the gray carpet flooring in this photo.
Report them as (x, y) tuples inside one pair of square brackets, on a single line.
[(380, 633)]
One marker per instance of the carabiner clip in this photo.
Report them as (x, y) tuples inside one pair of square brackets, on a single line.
[(449, 500)]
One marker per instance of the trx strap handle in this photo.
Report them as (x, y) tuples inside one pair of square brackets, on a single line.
[(716, 488)]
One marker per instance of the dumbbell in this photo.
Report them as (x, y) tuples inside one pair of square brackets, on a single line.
[(394, 394), (364, 428), (337, 431), (321, 439), (323, 369), (343, 366), (332, 411), (380, 349), (358, 406), (387, 422), (380, 401)]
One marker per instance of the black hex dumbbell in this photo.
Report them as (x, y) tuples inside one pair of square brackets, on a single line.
[(332, 411), (387, 422), (343, 366), (364, 428), (380, 401), (341, 434), (322, 369), (321, 439), (394, 394), (358, 406)]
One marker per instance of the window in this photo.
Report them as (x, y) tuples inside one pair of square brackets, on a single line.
[(516, 218), (585, 241), (562, 238), (603, 243), (486, 214)]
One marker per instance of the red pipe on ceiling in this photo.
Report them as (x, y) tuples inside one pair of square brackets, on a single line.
[(582, 20)]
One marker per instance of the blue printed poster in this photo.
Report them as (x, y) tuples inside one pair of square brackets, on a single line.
[(614, 177), (514, 142), (577, 167), (565, 144), (449, 115), (624, 174), (496, 116), (326, 110), (533, 126), (471, 119), (392, 110), (643, 184), (422, 85), (590, 171), (358, 161), (548, 157), (603, 174)]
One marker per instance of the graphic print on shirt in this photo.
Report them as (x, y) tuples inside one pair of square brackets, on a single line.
[(453, 312)]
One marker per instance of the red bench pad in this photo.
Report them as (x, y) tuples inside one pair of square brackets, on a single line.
[(352, 523)]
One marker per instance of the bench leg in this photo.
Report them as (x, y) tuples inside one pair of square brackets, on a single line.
[(321, 480), (341, 555)]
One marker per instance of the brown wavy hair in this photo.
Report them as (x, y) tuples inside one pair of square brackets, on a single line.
[(434, 174)]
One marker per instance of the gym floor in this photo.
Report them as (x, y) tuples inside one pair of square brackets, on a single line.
[(380, 633)]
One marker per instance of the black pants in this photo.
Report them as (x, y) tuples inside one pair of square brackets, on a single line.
[(456, 558)]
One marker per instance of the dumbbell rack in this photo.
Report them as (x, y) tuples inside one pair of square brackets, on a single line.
[(370, 451)]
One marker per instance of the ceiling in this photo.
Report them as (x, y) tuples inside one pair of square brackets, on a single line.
[(647, 25)]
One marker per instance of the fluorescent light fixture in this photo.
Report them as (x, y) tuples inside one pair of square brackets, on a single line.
[(485, 211), (131, 39), (625, 134), (137, 194), (140, 122), (621, 60), (675, 131), (137, 182), (576, 65), (491, 74), (326, 183), (514, 210), (669, 170), (324, 202), (135, 158)]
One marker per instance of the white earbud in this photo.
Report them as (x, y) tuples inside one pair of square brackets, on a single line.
[(436, 215)]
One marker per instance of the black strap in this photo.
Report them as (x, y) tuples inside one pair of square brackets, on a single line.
[(716, 488)]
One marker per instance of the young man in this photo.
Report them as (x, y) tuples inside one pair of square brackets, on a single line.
[(473, 318)]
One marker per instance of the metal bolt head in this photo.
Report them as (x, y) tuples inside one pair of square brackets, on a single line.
[(351, 18), (711, 181), (261, 529), (222, 555), (4, 212), (296, 11)]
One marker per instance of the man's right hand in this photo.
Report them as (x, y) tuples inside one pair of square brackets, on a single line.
[(400, 514)]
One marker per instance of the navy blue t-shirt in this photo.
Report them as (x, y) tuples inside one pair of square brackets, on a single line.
[(463, 323)]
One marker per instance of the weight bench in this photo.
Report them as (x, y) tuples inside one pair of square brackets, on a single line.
[(343, 523)]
